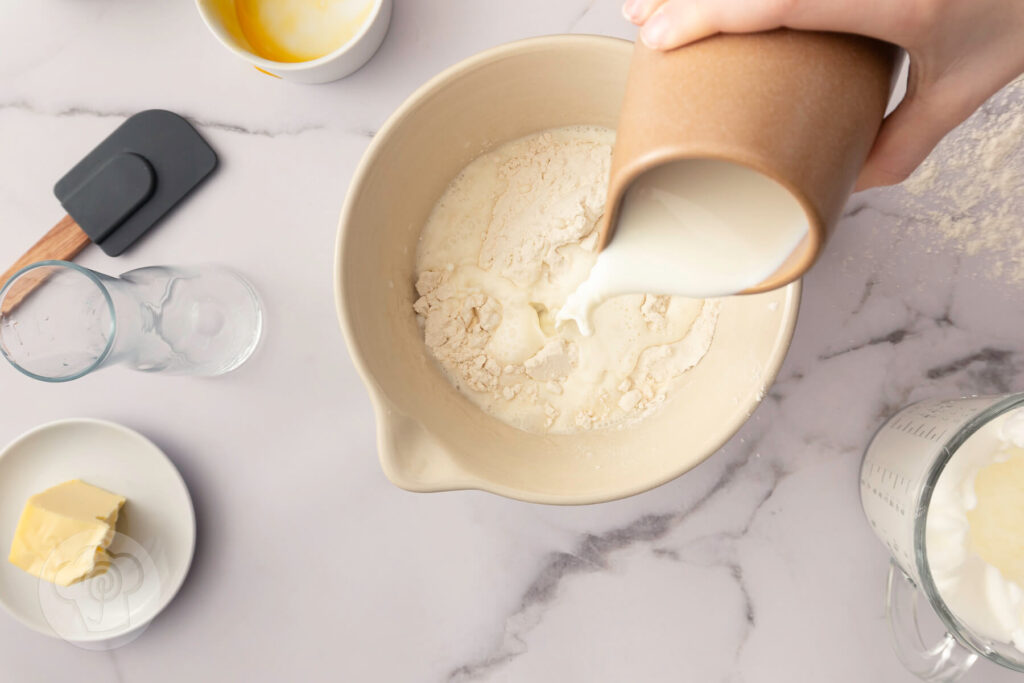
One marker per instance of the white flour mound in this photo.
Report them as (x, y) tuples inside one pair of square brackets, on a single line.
[(512, 236)]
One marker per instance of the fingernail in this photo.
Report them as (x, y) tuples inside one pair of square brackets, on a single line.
[(631, 9), (655, 30)]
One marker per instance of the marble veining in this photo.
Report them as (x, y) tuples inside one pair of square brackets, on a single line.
[(199, 122), (596, 553), (757, 566)]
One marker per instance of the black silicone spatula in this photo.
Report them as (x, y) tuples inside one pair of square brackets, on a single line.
[(122, 188)]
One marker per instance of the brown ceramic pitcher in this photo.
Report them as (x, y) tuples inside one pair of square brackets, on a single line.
[(800, 107)]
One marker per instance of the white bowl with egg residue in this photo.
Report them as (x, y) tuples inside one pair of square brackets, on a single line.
[(222, 18), (433, 438)]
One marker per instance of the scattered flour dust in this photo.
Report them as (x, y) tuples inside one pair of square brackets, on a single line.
[(968, 195), (512, 236)]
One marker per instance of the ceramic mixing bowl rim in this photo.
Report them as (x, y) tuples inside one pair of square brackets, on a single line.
[(380, 402), (218, 31)]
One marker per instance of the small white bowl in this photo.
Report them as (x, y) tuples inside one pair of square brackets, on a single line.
[(345, 60)]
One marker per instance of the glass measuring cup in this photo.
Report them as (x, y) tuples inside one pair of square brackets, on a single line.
[(899, 473), (60, 321)]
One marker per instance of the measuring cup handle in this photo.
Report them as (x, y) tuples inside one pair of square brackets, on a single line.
[(942, 662)]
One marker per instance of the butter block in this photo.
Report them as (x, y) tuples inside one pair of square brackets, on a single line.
[(64, 532), (997, 520)]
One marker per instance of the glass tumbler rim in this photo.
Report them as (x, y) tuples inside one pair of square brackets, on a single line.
[(956, 628), (95, 279)]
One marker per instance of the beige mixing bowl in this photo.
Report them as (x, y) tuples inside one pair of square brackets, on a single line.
[(432, 438)]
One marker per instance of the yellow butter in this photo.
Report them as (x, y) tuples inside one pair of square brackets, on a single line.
[(64, 532), (997, 520)]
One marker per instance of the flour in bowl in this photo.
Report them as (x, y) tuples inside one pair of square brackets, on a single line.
[(510, 239)]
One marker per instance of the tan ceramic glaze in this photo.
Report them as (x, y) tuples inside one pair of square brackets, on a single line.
[(800, 107), (432, 438)]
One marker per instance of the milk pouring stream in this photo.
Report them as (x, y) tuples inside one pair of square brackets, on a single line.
[(697, 228)]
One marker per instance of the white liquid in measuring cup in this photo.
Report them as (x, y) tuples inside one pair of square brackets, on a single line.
[(698, 228), (967, 531), (975, 531)]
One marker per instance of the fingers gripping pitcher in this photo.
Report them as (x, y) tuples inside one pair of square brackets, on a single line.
[(942, 485)]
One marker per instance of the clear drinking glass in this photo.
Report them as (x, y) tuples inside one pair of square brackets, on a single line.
[(60, 321), (901, 467)]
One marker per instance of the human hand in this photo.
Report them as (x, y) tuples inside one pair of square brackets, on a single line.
[(961, 53)]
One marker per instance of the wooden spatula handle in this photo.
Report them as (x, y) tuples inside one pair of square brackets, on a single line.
[(63, 242)]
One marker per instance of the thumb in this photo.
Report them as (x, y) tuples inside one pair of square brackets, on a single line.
[(677, 22), (910, 133), (670, 23)]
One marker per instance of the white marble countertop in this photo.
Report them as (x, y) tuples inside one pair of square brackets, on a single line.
[(756, 566)]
